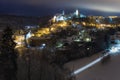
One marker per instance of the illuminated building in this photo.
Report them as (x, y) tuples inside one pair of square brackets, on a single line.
[(59, 17), (54, 19), (31, 26), (112, 16), (96, 17), (76, 14), (82, 16), (19, 40)]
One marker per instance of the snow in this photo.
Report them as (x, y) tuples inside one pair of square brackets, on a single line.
[(107, 71)]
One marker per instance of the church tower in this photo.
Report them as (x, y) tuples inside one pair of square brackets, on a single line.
[(63, 12), (77, 14)]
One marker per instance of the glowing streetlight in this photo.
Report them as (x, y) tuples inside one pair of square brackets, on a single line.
[(87, 39)]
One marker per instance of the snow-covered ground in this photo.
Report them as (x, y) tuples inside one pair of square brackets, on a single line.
[(107, 71), (76, 64)]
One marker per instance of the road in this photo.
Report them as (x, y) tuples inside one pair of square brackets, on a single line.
[(92, 69), (109, 71), (76, 64), (78, 71)]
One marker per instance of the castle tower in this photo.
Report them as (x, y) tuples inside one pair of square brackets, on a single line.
[(54, 18), (63, 12), (77, 13)]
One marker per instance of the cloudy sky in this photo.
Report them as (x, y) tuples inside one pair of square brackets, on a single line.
[(50, 7)]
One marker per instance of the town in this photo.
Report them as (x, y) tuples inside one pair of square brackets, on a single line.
[(52, 47)]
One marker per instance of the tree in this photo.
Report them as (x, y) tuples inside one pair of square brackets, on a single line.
[(8, 54)]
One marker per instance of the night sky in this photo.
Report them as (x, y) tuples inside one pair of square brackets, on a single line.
[(51, 7)]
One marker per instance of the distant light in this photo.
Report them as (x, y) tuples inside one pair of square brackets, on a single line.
[(77, 40), (74, 25), (83, 31), (88, 48), (59, 45), (42, 46), (87, 39), (82, 16), (97, 21), (113, 50), (27, 27), (84, 23), (19, 43)]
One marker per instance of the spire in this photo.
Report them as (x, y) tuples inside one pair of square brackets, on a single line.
[(54, 18), (77, 12), (63, 12)]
